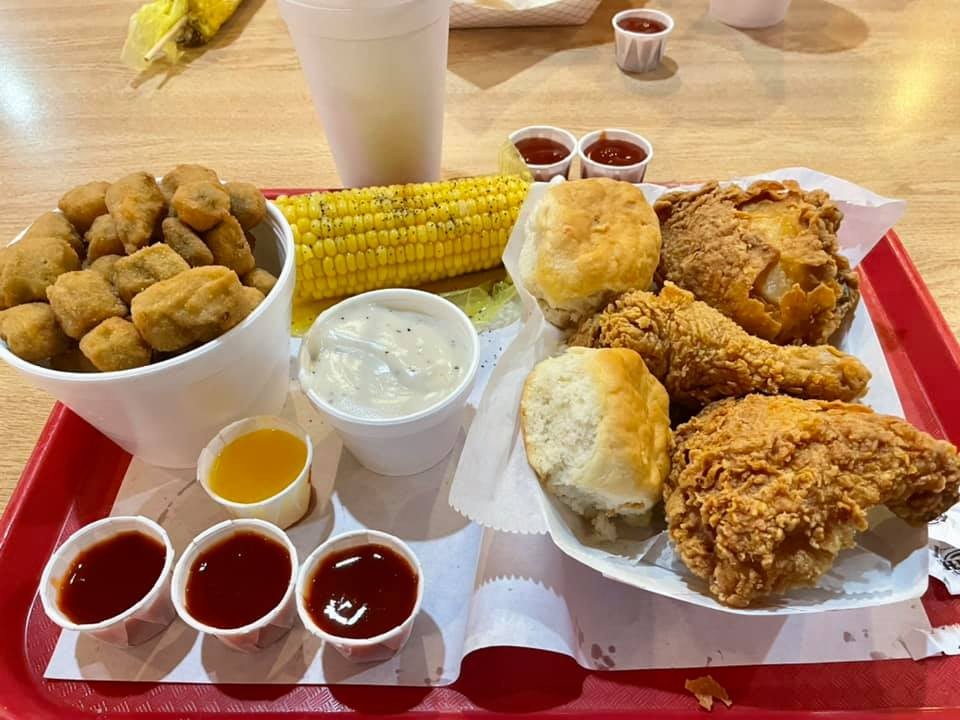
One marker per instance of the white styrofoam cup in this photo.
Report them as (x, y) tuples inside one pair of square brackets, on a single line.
[(361, 650), (749, 14), (377, 73), (408, 444), (261, 632), (141, 621), (166, 412)]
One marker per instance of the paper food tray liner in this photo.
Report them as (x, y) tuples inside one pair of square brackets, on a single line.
[(510, 13), (495, 486)]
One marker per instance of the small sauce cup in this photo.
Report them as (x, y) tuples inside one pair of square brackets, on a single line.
[(544, 173), (141, 621), (628, 173), (408, 444), (260, 633), (285, 507), (640, 52), (360, 650)]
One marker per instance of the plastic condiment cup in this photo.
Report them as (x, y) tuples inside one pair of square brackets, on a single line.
[(377, 72), (566, 138), (361, 650), (287, 506), (640, 52), (261, 632), (628, 173), (140, 622), (749, 13), (411, 443), (165, 412)]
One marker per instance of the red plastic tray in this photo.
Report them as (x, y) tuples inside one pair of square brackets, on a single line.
[(74, 473)]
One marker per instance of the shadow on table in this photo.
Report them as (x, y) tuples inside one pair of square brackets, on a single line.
[(665, 70), (489, 56), (815, 27), (231, 30)]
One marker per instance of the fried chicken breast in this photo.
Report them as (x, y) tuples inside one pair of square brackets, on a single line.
[(700, 355), (764, 492), (767, 257)]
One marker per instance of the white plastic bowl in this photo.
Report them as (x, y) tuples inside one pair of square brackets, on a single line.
[(141, 621), (408, 444), (361, 650), (261, 632), (544, 173), (166, 412), (628, 173), (287, 506)]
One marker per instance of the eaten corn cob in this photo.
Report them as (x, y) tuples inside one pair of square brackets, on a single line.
[(399, 236), (163, 27)]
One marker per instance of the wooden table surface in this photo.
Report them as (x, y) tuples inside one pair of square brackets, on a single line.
[(864, 89)]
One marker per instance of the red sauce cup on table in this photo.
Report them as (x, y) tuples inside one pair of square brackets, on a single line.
[(641, 38), (614, 153), (547, 151), (361, 592)]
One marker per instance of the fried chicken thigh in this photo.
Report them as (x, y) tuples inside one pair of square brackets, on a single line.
[(764, 492), (700, 355), (766, 256)]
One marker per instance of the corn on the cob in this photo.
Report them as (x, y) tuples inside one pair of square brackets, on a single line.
[(163, 27), (399, 236)]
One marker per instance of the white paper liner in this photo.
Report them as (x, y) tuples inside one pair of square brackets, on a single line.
[(503, 492)]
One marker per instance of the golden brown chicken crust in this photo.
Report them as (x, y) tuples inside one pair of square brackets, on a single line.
[(766, 256), (764, 492), (700, 355)]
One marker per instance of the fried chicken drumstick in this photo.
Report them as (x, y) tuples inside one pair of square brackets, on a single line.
[(700, 355), (764, 492), (766, 256)]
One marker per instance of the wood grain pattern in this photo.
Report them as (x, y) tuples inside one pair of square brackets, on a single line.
[(863, 89)]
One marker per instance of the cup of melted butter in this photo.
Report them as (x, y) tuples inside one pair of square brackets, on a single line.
[(259, 468), (391, 371)]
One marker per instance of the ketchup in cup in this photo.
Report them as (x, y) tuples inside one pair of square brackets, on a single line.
[(541, 151), (547, 151), (610, 151), (614, 153), (641, 38), (648, 26)]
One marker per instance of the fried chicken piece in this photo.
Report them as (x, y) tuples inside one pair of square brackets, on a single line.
[(115, 344), (83, 299), (700, 355), (247, 203), (230, 247), (260, 279), (136, 206), (103, 239), (31, 266), (54, 224), (766, 256), (186, 243), (192, 307), (135, 273), (201, 205), (183, 174), (84, 204), (31, 332), (764, 492)]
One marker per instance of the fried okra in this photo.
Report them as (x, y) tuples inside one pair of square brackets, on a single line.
[(115, 344), (183, 174), (137, 272), (186, 243), (230, 247), (31, 332), (31, 266), (72, 360), (106, 266), (102, 238), (260, 279), (84, 204), (81, 300), (56, 225), (201, 205), (194, 306), (249, 299), (136, 206), (247, 203)]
